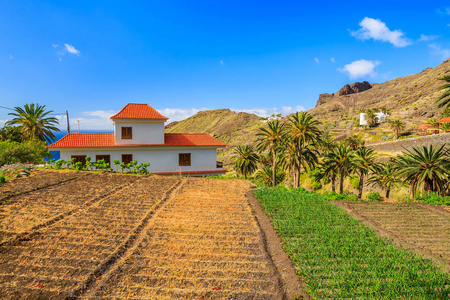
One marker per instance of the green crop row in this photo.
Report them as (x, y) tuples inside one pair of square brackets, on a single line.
[(341, 258)]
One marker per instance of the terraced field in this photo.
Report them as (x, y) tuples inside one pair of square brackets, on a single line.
[(116, 236), (422, 227)]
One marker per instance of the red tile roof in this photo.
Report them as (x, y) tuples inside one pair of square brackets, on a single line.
[(96, 140), (444, 120), (138, 111), (424, 126)]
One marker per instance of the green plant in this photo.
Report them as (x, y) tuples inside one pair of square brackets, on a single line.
[(374, 197), (116, 163), (2, 179), (354, 180), (79, 166), (341, 258), (28, 151), (245, 160), (88, 162), (59, 163), (33, 123), (434, 199)]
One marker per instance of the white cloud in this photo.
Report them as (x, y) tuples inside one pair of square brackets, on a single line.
[(178, 114), (377, 30), (436, 50), (445, 11), (102, 114), (333, 60), (2, 122), (55, 45), (266, 112), (71, 49), (59, 58), (360, 68), (427, 38), (316, 60), (221, 63)]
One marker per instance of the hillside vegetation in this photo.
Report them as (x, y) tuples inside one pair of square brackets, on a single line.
[(410, 99)]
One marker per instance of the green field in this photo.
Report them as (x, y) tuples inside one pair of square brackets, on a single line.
[(339, 257)]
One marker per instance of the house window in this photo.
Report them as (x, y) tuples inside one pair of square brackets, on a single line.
[(184, 159), (80, 158), (107, 158), (127, 133), (127, 158)]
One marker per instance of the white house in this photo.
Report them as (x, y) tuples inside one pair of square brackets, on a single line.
[(139, 135), (381, 118)]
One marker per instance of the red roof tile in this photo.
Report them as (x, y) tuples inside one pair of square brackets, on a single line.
[(96, 140), (424, 126), (138, 111), (444, 120)]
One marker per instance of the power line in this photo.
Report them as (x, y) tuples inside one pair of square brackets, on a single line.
[(6, 108)]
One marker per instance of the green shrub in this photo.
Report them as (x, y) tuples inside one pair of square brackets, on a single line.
[(2, 179), (79, 166), (59, 163), (354, 180), (25, 152), (374, 196), (434, 198)]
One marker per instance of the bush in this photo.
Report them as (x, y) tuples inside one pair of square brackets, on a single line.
[(2, 179), (25, 152), (434, 198), (336, 196), (374, 196), (354, 180)]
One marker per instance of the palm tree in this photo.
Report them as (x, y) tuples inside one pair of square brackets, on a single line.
[(386, 177), (354, 142), (329, 170), (371, 117), (245, 160), (342, 160), (270, 138), (304, 132), (424, 167), (445, 97), (33, 123), (265, 175), (364, 162), (397, 125)]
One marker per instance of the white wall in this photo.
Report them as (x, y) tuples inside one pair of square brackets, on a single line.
[(161, 160), (144, 132)]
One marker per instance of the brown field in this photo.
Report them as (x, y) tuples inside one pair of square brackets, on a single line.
[(115, 236), (422, 227)]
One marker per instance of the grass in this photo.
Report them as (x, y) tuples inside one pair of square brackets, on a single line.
[(341, 258)]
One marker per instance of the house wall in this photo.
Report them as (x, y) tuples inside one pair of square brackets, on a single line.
[(161, 160), (144, 132)]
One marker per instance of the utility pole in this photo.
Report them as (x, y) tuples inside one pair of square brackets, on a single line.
[(68, 126)]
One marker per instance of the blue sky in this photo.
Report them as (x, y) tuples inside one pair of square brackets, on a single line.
[(93, 57)]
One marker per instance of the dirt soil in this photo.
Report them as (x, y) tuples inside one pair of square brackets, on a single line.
[(420, 227), (103, 236)]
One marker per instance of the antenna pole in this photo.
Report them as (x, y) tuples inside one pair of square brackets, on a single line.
[(68, 126)]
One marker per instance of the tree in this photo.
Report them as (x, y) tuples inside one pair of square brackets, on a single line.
[(371, 117), (341, 159), (445, 97), (10, 133), (270, 138), (397, 126), (265, 175), (304, 132), (386, 178), (363, 163), (245, 160), (329, 170), (33, 123), (354, 142), (425, 168)]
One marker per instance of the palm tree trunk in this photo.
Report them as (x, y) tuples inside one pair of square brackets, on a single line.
[(341, 184), (387, 193), (411, 191), (274, 166), (333, 183), (297, 172), (360, 186)]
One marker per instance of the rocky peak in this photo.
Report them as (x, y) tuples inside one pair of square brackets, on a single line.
[(359, 87), (347, 89)]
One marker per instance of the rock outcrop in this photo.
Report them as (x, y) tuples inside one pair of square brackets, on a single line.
[(347, 89)]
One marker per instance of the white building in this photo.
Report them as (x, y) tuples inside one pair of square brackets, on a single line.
[(381, 118), (139, 135)]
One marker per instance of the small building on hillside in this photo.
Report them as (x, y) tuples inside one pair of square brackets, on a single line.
[(381, 118), (139, 135)]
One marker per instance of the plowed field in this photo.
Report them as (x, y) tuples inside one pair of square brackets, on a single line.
[(109, 236)]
